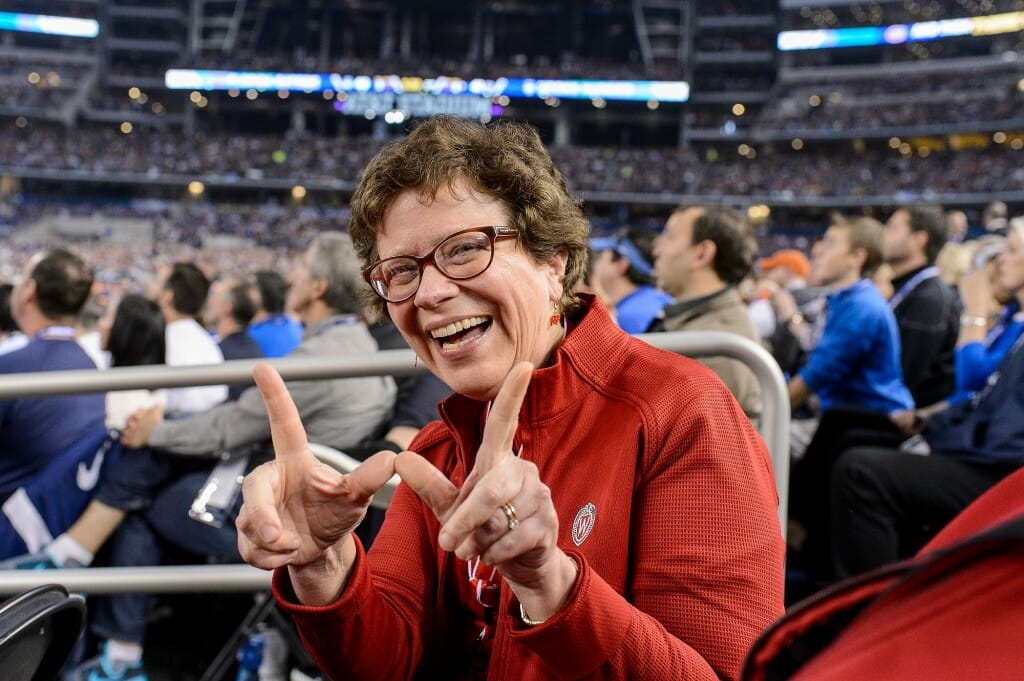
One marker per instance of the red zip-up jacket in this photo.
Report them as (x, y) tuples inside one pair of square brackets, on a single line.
[(681, 567)]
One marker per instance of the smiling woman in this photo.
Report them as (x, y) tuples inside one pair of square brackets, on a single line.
[(588, 506)]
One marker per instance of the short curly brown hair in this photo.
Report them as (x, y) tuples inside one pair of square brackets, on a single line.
[(506, 161)]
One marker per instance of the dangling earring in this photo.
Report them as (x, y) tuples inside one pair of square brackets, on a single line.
[(556, 315)]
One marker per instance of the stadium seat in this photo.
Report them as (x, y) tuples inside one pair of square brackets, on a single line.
[(38, 630)]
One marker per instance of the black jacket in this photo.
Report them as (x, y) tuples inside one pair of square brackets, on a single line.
[(929, 321)]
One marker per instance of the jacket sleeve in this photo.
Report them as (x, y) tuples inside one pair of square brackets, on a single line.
[(975, 362), (843, 342), (382, 602), (922, 328), (227, 425), (973, 365), (231, 424), (706, 559)]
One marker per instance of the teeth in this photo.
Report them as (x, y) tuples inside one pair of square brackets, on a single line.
[(455, 327), (457, 344)]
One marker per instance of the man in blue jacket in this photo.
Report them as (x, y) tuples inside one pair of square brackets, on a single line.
[(854, 370)]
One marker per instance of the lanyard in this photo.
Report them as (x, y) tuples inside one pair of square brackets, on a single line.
[(915, 281), (56, 332)]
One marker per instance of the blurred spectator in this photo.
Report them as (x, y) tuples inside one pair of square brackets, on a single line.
[(144, 501), (46, 441), (886, 503), (954, 262), (132, 333), (757, 296), (956, 224), (855, 372), (232, 306), (992, 320), (994, 218), (87, 330), (856, 362), (700, 258), (11, 337), (882, 279), (621, 271), (182, 293), (926, 308), (788, 268), (798, 308), (275, 332)]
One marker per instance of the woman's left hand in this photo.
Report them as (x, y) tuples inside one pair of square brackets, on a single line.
[(503, 513)]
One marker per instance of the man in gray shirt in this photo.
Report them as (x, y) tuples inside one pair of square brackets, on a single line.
[(147, 501), (339, 412)]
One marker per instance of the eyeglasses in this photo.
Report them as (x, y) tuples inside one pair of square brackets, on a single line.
[(462, 255)]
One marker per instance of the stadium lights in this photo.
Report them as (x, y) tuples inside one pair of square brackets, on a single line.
[(522, 88), (758, 212), (897, 34), (49, 25)]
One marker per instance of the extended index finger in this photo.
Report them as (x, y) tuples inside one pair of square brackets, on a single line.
[(503, 418), (286, 429)]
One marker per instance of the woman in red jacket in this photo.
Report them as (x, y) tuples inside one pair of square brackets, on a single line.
[(587, 507)]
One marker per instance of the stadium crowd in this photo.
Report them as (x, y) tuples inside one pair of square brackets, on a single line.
[(901, 341), (874, 380), (149, 155), (981, 106)]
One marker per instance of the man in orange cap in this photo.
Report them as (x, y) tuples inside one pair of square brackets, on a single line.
[(789, 268), (798, 307)]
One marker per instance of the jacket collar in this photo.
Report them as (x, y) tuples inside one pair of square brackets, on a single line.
[(694, 307), (328, 322)]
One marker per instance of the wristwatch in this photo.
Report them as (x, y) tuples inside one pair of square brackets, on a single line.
[(972, 320)]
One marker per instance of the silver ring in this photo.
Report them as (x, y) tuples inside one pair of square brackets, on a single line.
[(510, 513)]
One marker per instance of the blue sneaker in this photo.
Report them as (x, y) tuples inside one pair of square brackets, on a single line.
[(100, 668), (36, 561)]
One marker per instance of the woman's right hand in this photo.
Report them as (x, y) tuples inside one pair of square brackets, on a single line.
[(976, 293), (296, 510)]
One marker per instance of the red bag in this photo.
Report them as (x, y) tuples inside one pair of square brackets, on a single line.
[(952, 613)]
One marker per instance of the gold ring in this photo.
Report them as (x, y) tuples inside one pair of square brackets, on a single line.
[(510, 513)]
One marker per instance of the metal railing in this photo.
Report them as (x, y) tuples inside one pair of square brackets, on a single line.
[(774, 429)]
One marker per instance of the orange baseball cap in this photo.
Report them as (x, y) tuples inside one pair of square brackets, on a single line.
[(791, 259)]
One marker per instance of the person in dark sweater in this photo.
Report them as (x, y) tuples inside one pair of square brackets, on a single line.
[(927, 310)]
